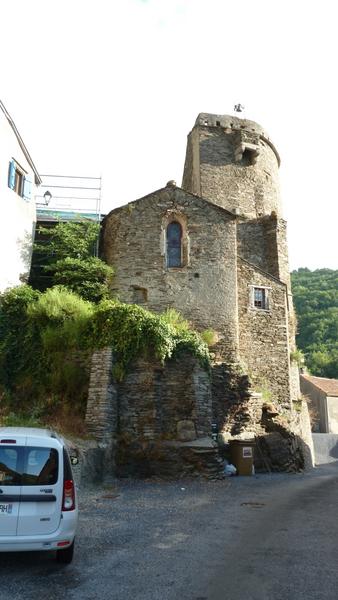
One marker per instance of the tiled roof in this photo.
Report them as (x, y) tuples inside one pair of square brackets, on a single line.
[(329, 386)]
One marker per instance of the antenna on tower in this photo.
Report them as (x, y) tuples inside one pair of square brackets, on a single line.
[(239, 108)]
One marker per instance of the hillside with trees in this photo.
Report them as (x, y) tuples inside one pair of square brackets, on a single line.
[(315, 295)]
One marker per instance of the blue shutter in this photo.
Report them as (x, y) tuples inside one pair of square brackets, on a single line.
[(11, 175), (27, 187)]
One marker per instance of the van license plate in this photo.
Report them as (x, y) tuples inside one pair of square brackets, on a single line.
[(6, 509)]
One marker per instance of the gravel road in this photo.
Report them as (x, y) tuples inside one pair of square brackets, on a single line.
[(244, 538)]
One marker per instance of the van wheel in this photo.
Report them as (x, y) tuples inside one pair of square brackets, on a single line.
[(65, 555)]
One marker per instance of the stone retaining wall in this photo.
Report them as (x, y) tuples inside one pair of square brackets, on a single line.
[(101, 415), (154, 403), (159, 418)]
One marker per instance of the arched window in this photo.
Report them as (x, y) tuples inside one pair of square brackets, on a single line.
[(174, 244)]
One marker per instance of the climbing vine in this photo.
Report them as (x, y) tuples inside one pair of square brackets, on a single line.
[(132, 331), (47, 340)]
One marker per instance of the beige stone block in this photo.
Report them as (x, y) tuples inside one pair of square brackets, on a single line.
[(186, 431)]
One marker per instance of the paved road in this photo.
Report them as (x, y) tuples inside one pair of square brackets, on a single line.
[(269, 537)]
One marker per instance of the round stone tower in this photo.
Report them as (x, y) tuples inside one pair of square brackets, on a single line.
[(233, 163)]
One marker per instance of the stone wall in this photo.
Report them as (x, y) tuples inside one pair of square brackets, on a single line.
[(158, 420), (263, 334), (144, 423), (167, 402), (101, 414), (233, 163), (332, 409), (204, 288), (231, 390), (257, 243), (301, 427), (263, 242), (282, 438), (318, 403), (294, 381)]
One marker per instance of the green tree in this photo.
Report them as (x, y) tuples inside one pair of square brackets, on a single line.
[(315, 296), (68, 240), (89, 277), (67, 252)]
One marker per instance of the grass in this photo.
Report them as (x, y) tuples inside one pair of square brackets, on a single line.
[(19, 420)]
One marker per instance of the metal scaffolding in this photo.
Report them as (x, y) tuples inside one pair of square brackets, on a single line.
[(68, 198)]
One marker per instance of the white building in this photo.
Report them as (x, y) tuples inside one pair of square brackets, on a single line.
[(322, 394), (18, 184)]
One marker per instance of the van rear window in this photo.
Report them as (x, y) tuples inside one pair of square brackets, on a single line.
[(28, 465), (10, 472), (41, 466)]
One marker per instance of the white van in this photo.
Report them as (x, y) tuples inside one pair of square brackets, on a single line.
[(38, 503)]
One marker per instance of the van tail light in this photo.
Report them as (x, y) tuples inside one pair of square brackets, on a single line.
[(68, 501), (65, 543)]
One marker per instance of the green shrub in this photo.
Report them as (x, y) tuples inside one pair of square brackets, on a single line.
[(74, 240), (57, 305), (49, 338), (19, 420), (297, 357), (68, 259), (173, 317), (17, 340), (89, 278), (41, 334), (210, 337), (132, 331)]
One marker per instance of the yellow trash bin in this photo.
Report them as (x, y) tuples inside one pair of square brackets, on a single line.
[(242, 456)]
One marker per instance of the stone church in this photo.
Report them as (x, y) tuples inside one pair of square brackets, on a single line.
[(215, 249)]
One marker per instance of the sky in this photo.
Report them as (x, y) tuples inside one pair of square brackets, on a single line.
[(111, 88)]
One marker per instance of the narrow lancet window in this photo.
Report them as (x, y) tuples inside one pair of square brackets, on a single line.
[(174, 244)]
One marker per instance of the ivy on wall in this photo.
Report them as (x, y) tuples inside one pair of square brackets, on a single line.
[(47, 340)]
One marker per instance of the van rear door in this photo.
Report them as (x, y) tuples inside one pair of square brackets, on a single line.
[(41, 489), (11, 457)]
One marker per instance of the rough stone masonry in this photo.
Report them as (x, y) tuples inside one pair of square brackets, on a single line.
[(216, 250)]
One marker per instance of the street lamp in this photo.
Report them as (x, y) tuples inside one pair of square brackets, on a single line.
[(47, 197)]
